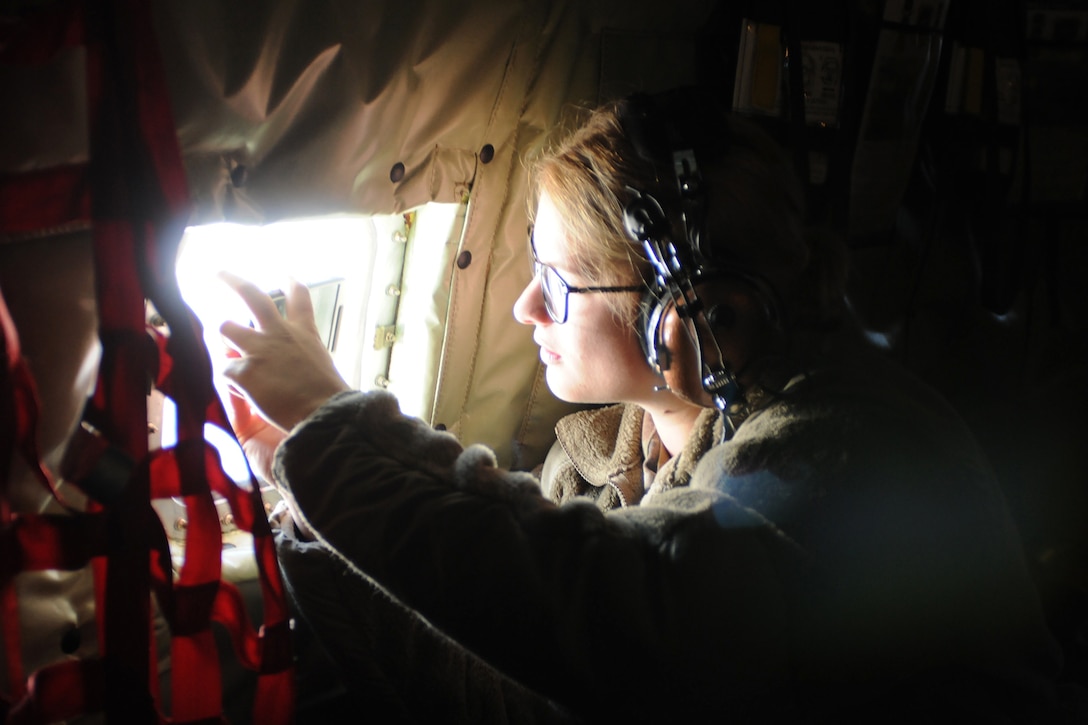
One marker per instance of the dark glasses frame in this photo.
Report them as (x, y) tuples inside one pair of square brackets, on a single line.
[(557, 290)]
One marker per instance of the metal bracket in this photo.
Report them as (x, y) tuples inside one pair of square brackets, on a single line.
[(386, 335)]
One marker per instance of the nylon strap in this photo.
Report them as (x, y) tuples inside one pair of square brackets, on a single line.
[(134, 196)]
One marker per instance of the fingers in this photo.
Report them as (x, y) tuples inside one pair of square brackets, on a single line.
[(259, 303), (241, 337), (299, 306), (284, 369), (240, 412)]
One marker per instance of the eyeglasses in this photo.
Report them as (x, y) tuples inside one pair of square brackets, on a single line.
[(556, 290)]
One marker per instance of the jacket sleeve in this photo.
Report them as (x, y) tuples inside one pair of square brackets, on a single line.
[(390, 661), (557, 597)]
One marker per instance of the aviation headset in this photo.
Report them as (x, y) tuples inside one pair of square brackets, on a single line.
[(676, 246)]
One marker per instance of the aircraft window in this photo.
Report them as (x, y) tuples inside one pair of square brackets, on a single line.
[(376, 283), (332, 255), (379, 289)]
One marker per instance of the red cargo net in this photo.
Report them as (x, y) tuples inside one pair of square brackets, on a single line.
[(133, 195)]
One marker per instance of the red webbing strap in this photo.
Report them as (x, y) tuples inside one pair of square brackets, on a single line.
[(123, 216), (60, 692), (13, 424), (32, 542), (59, 193), (132, 192), (155, 165)]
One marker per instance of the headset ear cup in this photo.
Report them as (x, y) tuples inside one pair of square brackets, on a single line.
[(651, 334), (643, 218), (684, 375)]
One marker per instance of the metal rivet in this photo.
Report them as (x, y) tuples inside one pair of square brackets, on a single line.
[(464, 259), (397, 172), (239, 175), (227, 520), (400, 236), (381, 381), (487, 153), (181, 525), (393, 290)]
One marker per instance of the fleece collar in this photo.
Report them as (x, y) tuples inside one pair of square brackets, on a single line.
[(676, 471), (606, 447)]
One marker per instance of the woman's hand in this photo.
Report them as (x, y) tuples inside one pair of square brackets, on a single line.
[(283, 367)]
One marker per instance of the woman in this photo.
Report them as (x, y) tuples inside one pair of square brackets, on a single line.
[(756, 212), (810, 540)]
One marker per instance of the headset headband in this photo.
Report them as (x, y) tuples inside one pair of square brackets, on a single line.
[(673, 247)]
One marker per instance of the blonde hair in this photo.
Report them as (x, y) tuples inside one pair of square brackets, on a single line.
[(755, 221), (586, 177)]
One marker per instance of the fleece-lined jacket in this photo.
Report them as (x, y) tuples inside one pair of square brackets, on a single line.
[(845, 554)]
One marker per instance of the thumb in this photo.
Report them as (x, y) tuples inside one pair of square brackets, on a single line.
[(240, 412), (246, 423)]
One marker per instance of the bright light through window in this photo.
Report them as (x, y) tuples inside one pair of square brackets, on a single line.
[(312, 251), (308, 250)]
